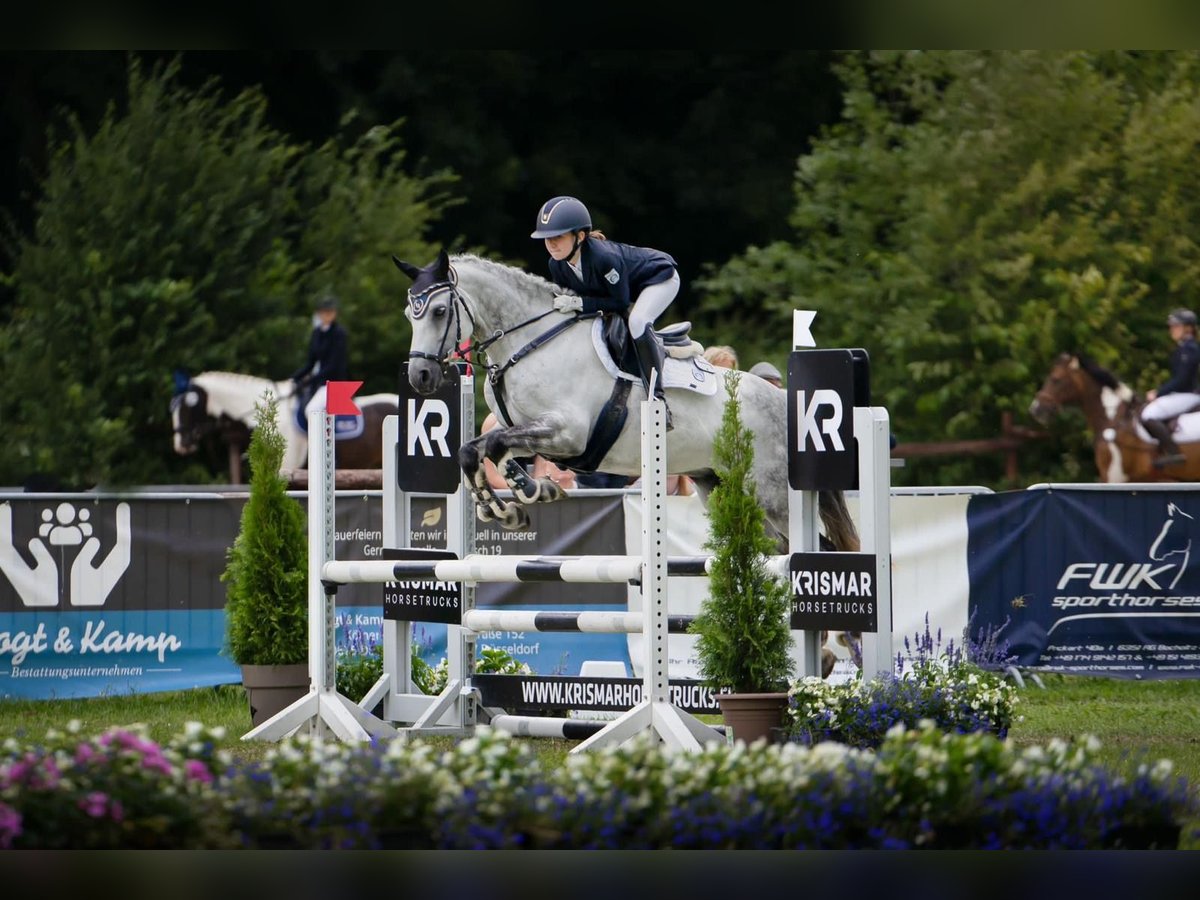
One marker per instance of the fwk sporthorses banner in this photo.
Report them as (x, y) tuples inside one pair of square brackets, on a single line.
[(1090, 581)]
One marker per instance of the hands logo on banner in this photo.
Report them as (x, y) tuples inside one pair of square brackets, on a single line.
[(63, 527)]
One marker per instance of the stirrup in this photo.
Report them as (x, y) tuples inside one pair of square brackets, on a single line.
[(1170, 459)]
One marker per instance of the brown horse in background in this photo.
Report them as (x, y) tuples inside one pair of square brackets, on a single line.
[(1122, 449)]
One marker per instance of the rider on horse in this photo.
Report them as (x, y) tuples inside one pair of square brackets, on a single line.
[(1178, 393), (327, 355), (637, 282)]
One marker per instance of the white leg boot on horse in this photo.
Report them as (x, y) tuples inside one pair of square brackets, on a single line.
[(650, 359)]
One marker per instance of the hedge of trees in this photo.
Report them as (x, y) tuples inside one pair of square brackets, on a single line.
[(963, 216)]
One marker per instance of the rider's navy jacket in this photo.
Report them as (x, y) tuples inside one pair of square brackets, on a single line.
[(613, 274), (327, 347), (1185, 361)]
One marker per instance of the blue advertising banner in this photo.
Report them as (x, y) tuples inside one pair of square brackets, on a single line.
[(103, 594), (1090, 582)]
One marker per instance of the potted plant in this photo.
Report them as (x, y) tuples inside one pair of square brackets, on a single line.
[(266, 605), (743, 628)]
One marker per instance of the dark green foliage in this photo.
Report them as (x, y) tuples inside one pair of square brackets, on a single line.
[(266, 607), (972, 215), (185, 231), (744, 632)]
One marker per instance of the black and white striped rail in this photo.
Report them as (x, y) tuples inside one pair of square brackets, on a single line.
[(478, 568), (546, 727), (586, 622)]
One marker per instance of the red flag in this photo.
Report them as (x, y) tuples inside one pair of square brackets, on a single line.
[(337, 398)]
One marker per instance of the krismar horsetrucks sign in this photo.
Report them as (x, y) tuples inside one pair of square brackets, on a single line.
[(834, 591)]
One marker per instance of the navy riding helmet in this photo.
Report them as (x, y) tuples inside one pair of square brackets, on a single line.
[(561, 215), (1182, 317)]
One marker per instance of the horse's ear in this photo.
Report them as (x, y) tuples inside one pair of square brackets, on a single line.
[(182, 380), (442, 266), (407, 268)]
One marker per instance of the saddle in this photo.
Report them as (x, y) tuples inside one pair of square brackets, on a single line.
[(675, 340), (345, 428)]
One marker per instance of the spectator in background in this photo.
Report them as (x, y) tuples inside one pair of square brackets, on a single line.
[(767, 372), (722, 355)]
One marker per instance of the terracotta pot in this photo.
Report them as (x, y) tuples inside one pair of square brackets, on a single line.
[(749, 717), (271, 689)]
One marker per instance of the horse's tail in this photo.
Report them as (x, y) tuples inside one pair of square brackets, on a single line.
[(839, 527)]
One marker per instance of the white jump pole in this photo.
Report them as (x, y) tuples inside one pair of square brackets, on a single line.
[(872, 429), (322, 709), (655, 714), (803, 522)]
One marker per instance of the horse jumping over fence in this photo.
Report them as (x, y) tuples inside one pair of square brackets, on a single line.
[(1124, 451), (559, 391), (223, 403)]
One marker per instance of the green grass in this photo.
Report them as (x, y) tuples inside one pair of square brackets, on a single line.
[(1131, 719)]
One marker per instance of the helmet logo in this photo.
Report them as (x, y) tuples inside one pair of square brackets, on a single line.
[(548, 210)]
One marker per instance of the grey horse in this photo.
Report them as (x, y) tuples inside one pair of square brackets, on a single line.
[(553, 388)]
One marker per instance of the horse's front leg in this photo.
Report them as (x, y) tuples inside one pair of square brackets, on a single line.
[(488, 505), (548, 436)]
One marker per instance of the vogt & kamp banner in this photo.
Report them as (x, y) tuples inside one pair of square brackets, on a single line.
[(107, 594), (1091, 582)]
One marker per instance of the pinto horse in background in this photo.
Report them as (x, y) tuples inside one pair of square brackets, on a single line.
[(222, 403), (1124, 451)]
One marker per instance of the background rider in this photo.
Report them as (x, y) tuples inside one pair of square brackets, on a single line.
[(1177, 395)]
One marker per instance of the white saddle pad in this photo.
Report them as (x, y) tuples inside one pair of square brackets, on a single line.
[(693, 374), (1187, 429)]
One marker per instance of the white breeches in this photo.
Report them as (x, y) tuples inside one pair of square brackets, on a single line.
[(651, 303), (1170, 405)]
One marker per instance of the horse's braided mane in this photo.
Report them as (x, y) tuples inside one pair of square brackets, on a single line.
[(1102, 376), (512, 273)]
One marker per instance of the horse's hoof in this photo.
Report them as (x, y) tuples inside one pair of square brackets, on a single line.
[(526, 492), (828, 661), (515, 518), (551, 491)]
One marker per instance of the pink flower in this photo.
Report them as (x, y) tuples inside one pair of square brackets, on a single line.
[(94, 804), (117, 811), (10, 825), (197, 771), (84, 753), (16, 772), (156, 762)]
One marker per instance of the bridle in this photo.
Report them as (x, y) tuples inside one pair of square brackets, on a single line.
[(418, 306), (197, 427)]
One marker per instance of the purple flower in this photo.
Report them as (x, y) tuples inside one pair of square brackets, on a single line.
[(197, 771), (10, 825), (94, 804)]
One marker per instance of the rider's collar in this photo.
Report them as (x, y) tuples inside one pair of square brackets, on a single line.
[(418, 304)]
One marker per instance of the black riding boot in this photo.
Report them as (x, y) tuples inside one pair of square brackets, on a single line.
[(650, 359), (1168, 450)]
